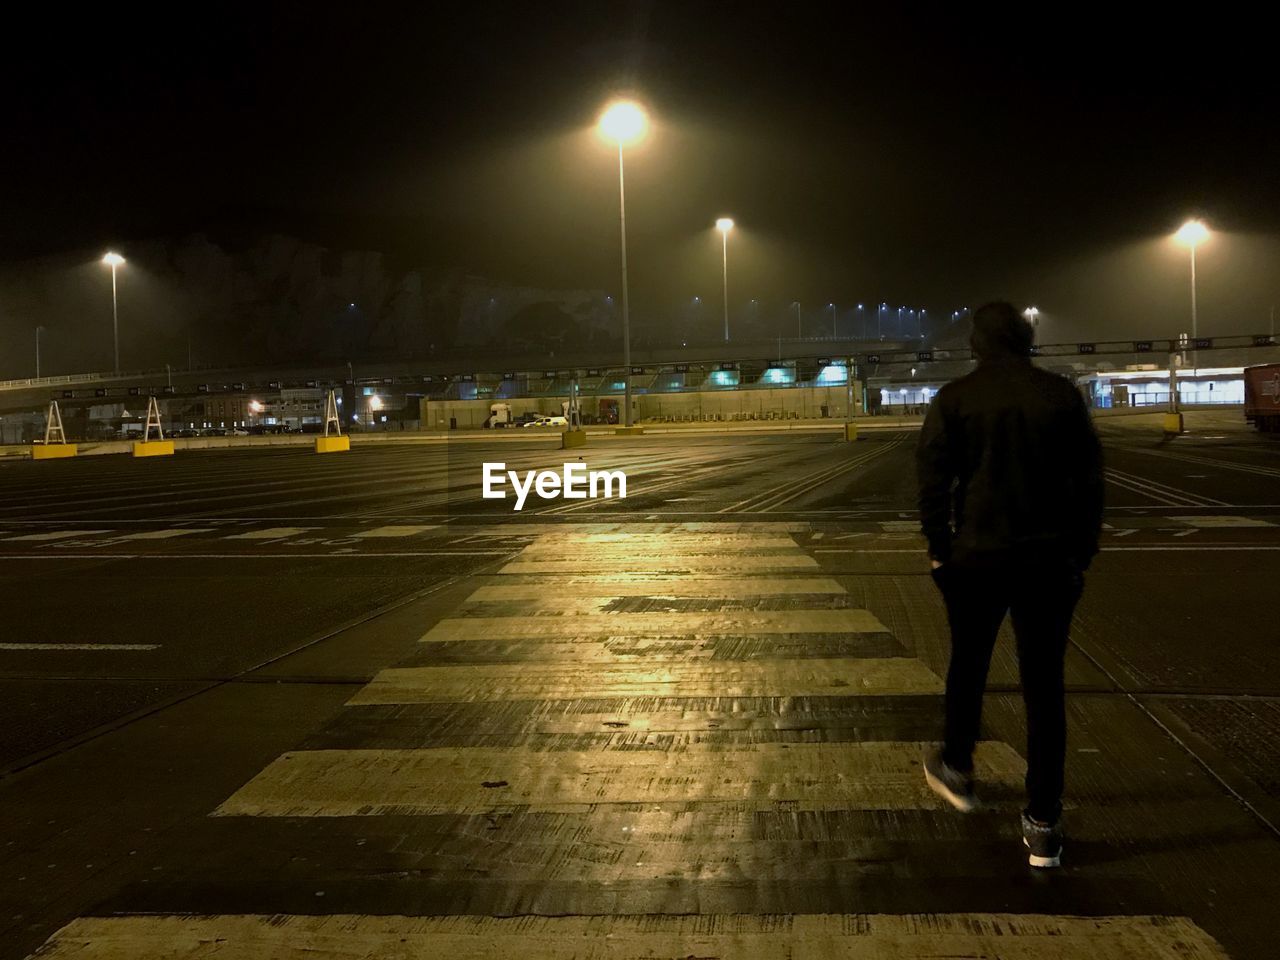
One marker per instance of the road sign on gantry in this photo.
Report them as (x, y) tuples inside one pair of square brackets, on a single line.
[(334, 442), (55, 446), (159, 447)]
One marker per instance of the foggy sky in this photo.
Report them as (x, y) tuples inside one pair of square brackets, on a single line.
[(928, 159)]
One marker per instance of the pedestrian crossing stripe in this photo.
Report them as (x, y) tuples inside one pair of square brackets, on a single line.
[(722, 623), (568, 550), (809, 677), (612, 587), (865, 775), (994, 936), (729, 562)]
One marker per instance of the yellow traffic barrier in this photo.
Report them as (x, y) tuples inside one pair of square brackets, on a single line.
[(1173, 423), (629, 431), (153, 448), (573, 438), (52, 451), (850, 431), (335, 444)]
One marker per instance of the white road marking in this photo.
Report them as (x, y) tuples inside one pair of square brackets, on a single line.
[(54, 535), (397, 530), (865, 775), (995, 936), (164, 534), (724, 623), (811, 677), (1213, 523), (271, 533), (79, 646)]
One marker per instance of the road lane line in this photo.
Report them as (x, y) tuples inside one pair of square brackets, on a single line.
[(165, 534), (863, 775), (271, 533), (994, 936), (53, 535), (1221, 522), (79, 646), (397, 530), (838, 677), (722, 623)]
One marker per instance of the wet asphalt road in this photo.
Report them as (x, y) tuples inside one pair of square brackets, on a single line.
[(262, 682)]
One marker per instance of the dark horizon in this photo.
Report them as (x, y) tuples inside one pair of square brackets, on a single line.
[(920, 159)]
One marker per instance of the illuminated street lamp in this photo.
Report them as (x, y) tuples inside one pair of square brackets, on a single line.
[(114, 260), (624, 122), (1032, 314), (375, 404), (724, 225), (1191, 234)]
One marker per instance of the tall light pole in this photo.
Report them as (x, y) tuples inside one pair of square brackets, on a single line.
[(797, 306), (724, 225), (832, 308), (1190, 235), (623, 122), (114, 260), (39, 330)]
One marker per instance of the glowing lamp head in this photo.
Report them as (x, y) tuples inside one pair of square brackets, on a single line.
[(1192, 233), (724, 224), (256, 406), (113, 259), (375, 402), (624, 121), (1031, 313)]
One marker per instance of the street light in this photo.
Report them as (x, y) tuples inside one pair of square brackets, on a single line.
[(1191, 234), (624, 122), (114, 260), (39, 330), (724, 225), (1032, 314)]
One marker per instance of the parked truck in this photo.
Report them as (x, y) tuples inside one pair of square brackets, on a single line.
[(1262, 396)]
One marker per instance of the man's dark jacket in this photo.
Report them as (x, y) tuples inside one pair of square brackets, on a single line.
[(1008, 461)]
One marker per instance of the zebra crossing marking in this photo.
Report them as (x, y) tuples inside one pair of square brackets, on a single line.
[(994, 936), (723, 623), (615, 587), (736, 563), (863, 775), (746, 678)]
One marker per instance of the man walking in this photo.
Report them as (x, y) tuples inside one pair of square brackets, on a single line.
[(1010, 484)]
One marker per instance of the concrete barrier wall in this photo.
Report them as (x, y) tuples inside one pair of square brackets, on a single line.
[(721, 405)]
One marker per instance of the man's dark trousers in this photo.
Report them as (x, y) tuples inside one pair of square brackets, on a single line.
[(1039, 591)]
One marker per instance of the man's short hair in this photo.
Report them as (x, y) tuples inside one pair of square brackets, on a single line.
[(999, 330)]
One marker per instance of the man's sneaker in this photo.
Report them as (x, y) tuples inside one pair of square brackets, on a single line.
[(1043, 841), (951, 785)]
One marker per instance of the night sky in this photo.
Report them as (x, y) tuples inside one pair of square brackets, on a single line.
[(923, 158)]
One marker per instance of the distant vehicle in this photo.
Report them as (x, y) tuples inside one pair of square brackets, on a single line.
[(213, 432), (186, 432), (239, 432), (499, 415), (548, 422), (1262, 396)]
